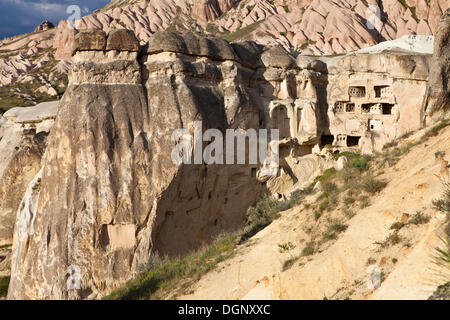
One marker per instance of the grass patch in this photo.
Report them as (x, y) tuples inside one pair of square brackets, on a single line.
[(397, 225), (4, 283), (364, 202), (419, 218), (349, 200), (308, 250), (265, 211), (289, 263), (161, 275), (434, 131), (337, 227), (372, 185), (169, 273), (4, 246), (391, 240)]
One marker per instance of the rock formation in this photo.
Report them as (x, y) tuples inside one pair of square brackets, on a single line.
[(437, 98), (108, 194), (101, 193), (22, 141), (310, 27), (44, 26), (374, 98), (112, 144), (210, 10)]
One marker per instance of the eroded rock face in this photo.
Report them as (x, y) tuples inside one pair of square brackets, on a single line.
[(308, 26), (437, 97), (122, 40), (89, 40), (22, 141), (44, 26), (108, 193), (112, 144), (374, 98)]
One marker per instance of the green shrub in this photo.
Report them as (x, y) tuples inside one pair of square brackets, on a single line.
[(330, 188), (167, 274), (259, 216), (391, 240), (364, 202), (419, 218), (372, 185), (337, 227), (349, 200), (154, 262), (289, 263), (4, 283), (317, 215), (286, 247), (397, 225), (329, 236), (442, 253), (308, 250), (434, 131)]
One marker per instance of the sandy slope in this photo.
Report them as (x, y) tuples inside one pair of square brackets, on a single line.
[(340, 270)]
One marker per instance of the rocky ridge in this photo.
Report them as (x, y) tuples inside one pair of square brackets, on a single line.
[(286, 23)]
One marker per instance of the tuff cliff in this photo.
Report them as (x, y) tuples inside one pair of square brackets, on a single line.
[(108, 195), (437, 98), (23, 134)]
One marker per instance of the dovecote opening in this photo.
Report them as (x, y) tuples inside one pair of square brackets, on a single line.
[(357, 91), (326, 140), (387, 108), (350, 107), (382, 91), (353, 141)]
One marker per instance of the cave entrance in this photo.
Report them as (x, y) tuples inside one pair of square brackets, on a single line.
[(387, 108), (353, 141), (326, 140)]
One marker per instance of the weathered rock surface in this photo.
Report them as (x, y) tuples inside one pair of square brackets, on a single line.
[(210, 10), (437, 98), (108, 193), (90, 40), (112, 144), (277, 57), (374, 98), (23, 142), (311, 27), (122, 40), (44, 26)]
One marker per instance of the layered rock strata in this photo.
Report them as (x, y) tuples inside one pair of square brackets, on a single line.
[(437, 98), (108, 194), (23, 137)]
